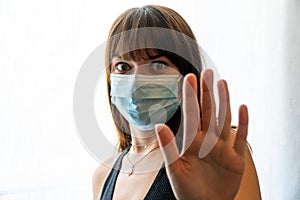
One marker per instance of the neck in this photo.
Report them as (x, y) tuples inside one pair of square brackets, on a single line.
[(142, 141)]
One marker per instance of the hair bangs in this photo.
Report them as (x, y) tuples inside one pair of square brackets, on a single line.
[(141, 43)]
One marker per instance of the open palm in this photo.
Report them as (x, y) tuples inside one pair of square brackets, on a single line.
[(211, 163)]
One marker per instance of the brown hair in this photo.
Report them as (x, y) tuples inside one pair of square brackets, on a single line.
[(128, 38)]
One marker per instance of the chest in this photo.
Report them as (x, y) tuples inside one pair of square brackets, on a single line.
[(135, 186)]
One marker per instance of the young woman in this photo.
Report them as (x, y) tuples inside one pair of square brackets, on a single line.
[(173, 144)]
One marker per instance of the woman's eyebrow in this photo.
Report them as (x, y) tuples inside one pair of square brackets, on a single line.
[(156, 56)]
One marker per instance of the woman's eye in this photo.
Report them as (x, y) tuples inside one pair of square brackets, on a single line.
[(158, 66), (122, 67)]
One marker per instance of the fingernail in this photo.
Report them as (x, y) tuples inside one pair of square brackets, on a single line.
[(158, 127), (208, 76)]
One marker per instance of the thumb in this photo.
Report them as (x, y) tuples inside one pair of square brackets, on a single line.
[(167, 144)]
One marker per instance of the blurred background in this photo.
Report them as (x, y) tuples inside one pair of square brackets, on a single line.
[(255, 45)]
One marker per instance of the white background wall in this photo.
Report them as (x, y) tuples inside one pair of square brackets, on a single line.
[(254, 44)]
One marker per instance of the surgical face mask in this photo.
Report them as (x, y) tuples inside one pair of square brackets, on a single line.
[(146, 100)]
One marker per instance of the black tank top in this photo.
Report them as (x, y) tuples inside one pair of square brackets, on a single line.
[(160, 188)]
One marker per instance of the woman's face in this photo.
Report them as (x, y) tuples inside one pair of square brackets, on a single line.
[(156, 65), (145, 90)]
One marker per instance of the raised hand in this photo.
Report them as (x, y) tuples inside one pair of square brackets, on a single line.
[(211, 163)]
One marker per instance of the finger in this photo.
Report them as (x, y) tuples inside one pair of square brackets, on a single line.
[(242, 131), (224, 126), (208, 114), (207, 105), (191, 114), (167, 145)]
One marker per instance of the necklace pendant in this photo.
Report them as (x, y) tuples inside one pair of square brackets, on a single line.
[(131, 170)]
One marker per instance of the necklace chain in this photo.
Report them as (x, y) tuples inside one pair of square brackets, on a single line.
[(145, 145), (132, 165)]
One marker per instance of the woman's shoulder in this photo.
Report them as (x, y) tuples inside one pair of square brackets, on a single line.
[(249, 187), (101, 173)]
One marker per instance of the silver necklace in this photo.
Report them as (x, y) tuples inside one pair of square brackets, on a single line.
[(132, 165), (145, 145)]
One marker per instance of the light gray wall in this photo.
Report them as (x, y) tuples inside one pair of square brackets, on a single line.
[(291, 109)]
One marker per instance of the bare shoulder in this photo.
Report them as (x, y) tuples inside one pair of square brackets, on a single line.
[(249, 188), (100, 176)]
